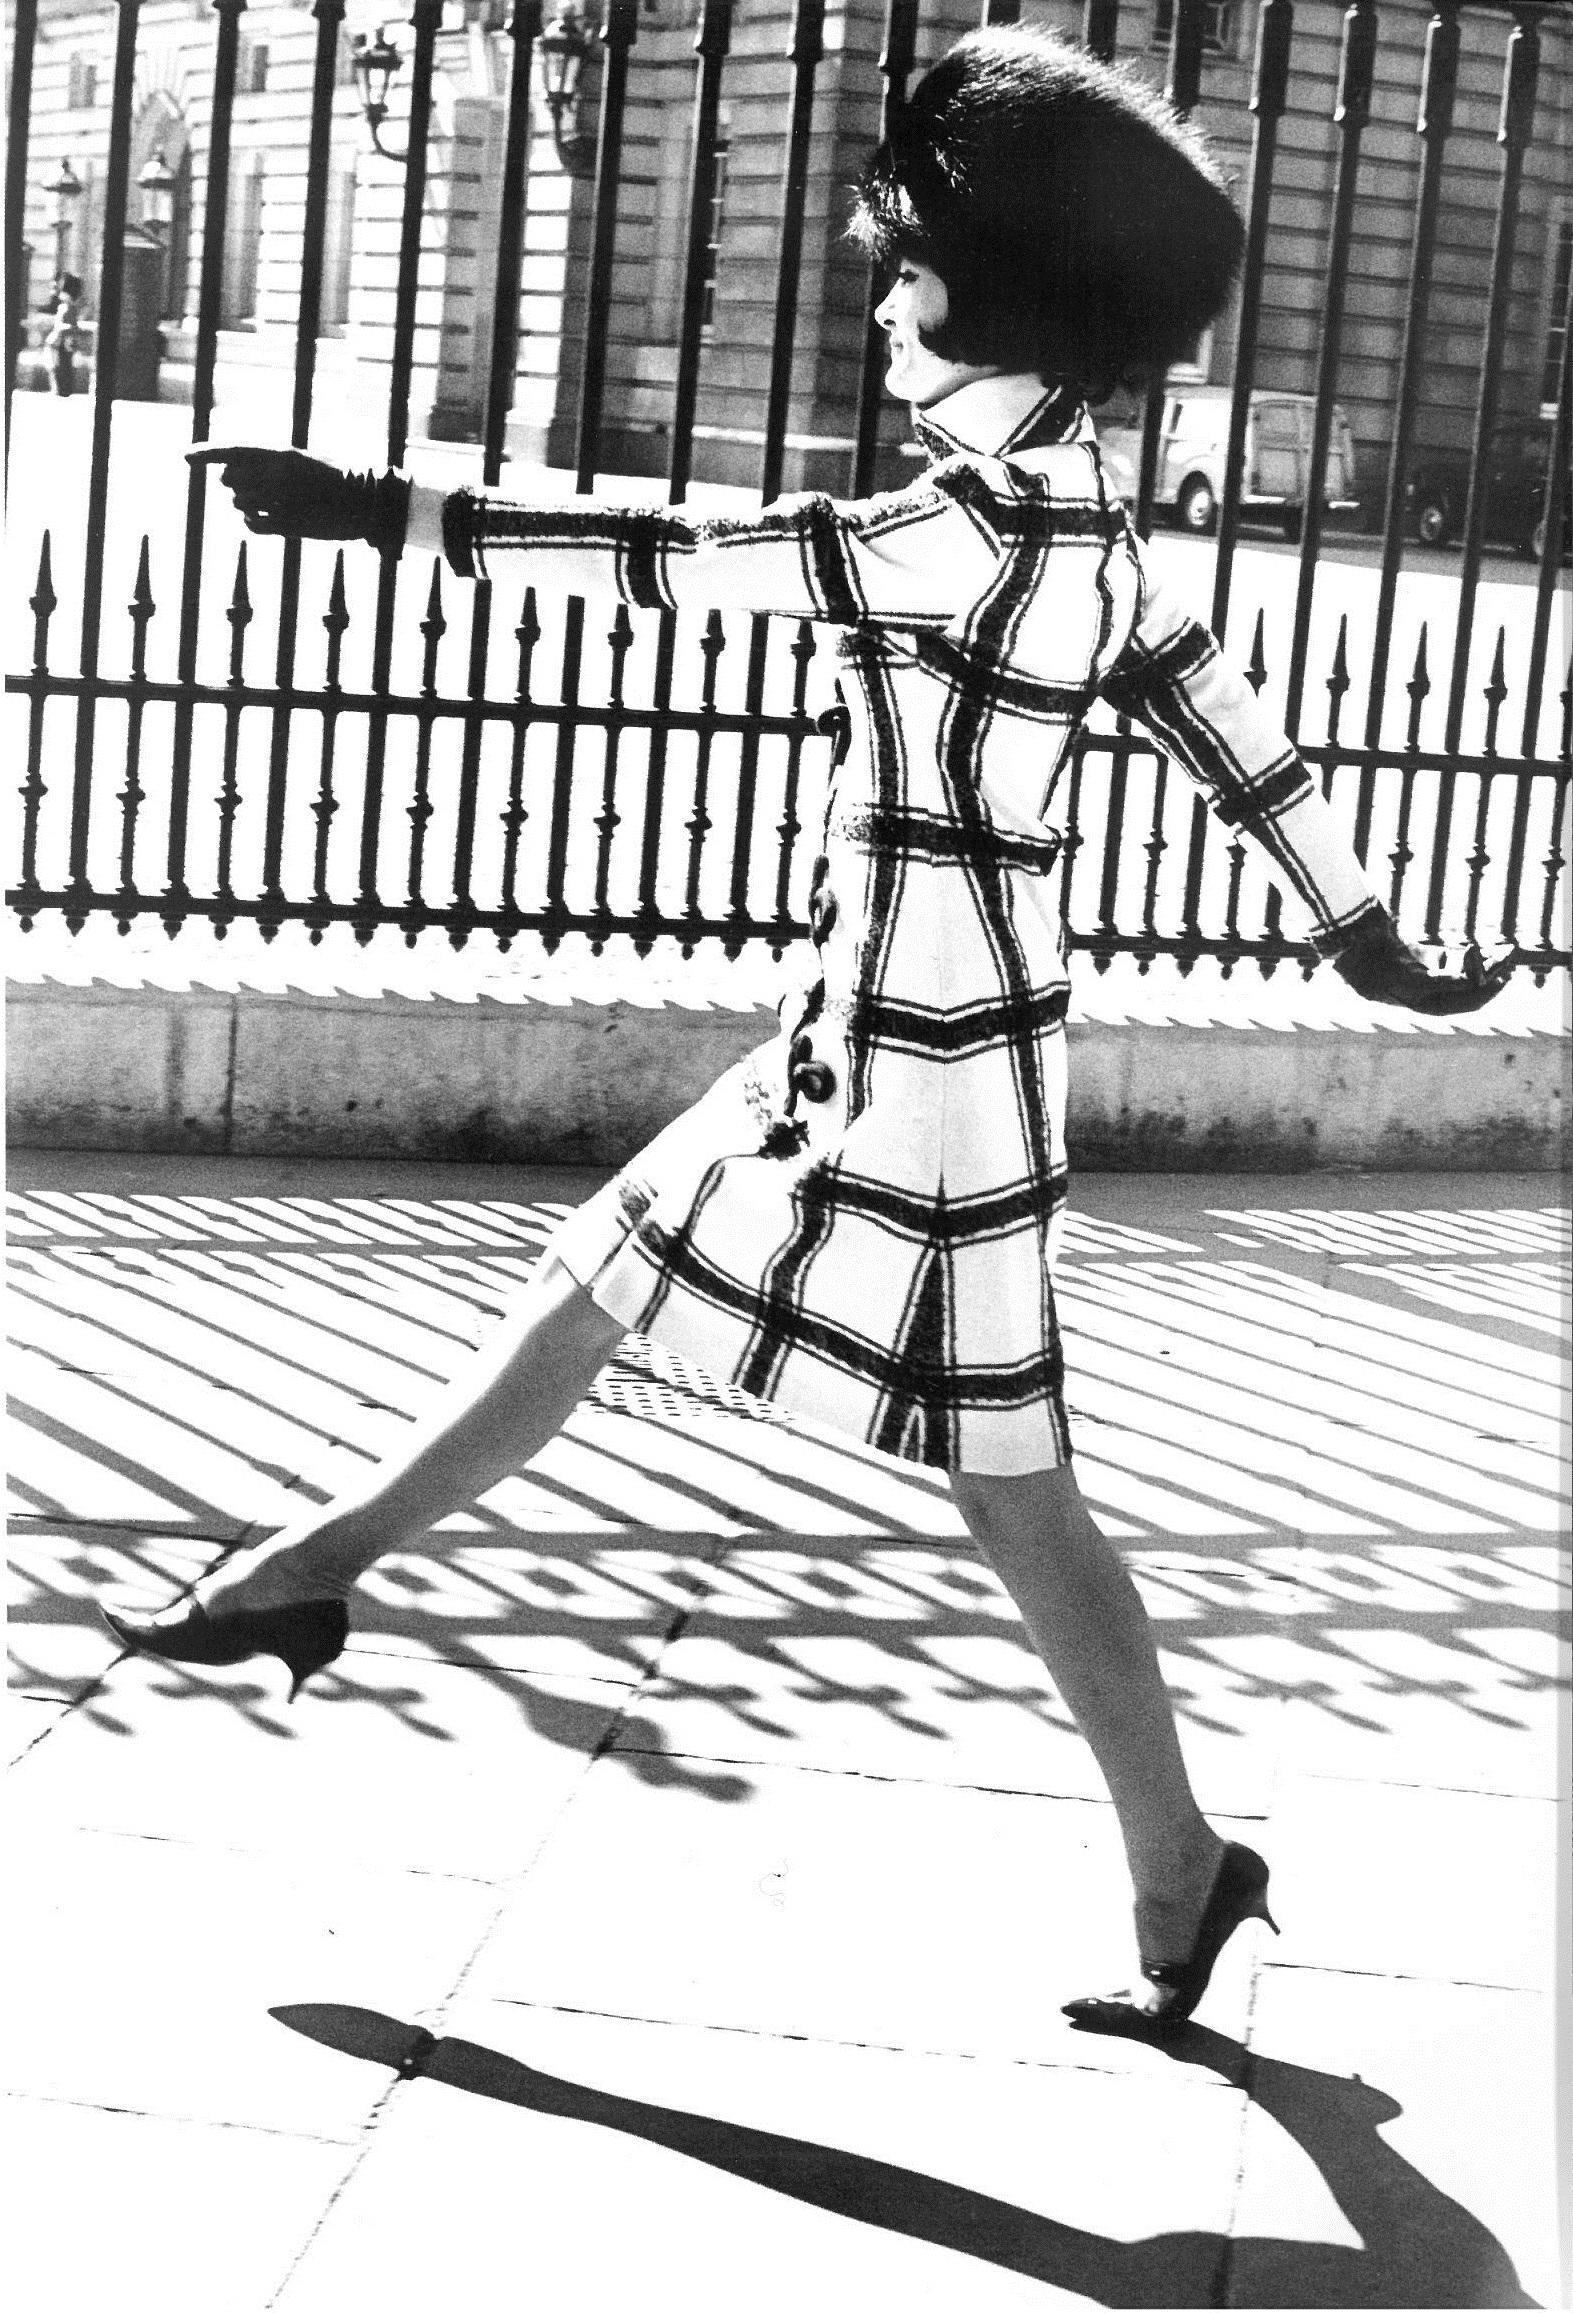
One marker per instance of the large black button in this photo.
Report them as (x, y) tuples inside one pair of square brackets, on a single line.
[(813, 1080)]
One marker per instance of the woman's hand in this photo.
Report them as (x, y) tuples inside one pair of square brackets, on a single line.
[(1380, 965), (285, 494)]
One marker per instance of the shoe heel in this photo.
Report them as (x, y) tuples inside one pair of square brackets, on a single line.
[(316, 1638)]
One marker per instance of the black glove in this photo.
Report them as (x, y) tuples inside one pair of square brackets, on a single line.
[(1453, 977), (285, 494)]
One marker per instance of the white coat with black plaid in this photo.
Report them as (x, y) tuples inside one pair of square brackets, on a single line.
[(859, 1221)]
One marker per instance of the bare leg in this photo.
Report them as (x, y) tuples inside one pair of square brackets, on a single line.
[(498, 1415), (1086, 1620)]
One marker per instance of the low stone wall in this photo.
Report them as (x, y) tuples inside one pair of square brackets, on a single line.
[(247, 1072)]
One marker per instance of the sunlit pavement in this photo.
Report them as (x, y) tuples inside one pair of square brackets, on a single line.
[(669, 1898)]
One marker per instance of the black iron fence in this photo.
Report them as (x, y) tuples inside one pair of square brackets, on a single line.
[(403, 762)]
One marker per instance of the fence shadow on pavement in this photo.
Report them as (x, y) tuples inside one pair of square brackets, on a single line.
[(1327, 1442), (1418, 2246)]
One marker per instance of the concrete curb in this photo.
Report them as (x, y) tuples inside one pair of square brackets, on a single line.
[(223, 1071)]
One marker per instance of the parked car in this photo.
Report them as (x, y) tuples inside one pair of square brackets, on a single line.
[(1436, 489), (1191, 453)]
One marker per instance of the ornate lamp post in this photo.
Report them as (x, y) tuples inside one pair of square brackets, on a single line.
[(65, 190), (563, 46), (377, 66), (156, 184)]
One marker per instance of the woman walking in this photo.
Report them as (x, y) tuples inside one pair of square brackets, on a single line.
[(859, 1222)]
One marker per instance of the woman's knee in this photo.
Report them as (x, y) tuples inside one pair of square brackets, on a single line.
[(1039, 1500)]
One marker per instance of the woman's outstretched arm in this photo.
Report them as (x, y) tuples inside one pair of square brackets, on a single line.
[(916, 554), (1173, 677)]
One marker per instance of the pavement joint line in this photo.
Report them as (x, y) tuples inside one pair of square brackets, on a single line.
[(917, 2051), (204, 2121), (855, 1774)]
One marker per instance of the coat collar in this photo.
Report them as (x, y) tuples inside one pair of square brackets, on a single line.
[(1000, 417)]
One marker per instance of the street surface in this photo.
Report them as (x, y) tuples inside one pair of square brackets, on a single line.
[(669, 1897)]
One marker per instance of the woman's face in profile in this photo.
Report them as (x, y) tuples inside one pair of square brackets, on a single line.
[(917, 301)]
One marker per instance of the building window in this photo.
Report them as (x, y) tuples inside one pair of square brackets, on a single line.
[(1560, 269), (713, 229), (251, 66), (1195, 367), (81, 83), (243, 243), (337, 251), (1220, 26)]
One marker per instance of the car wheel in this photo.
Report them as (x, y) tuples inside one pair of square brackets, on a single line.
[(1433, 521), (1196, 507)]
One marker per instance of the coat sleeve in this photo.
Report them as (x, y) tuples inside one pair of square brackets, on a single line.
[(913, 553), (1172, 676)]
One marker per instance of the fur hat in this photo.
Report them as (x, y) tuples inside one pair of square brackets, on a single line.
[(1081, 228)]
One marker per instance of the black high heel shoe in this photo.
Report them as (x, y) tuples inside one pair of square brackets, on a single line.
[(1239, 1893), (305, 1637)]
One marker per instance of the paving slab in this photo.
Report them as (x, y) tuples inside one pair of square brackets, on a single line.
[(580, 2160), (118, 2208), (385, 1763), (142, 1972), (832, 1907), (1400, 2146), (907, 1662), (1399, 1880)]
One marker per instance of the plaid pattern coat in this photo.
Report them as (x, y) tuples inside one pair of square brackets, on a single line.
[(859, 1222)]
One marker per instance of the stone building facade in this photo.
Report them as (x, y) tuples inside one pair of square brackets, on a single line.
[(463, 203)]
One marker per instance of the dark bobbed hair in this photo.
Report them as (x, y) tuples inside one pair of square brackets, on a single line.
[(1081, 228)]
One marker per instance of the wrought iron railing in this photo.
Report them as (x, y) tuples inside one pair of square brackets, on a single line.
[(657, 783)]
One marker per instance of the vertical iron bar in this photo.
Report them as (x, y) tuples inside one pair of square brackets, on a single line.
[(523, 27), (105, 363), (24, 38), (1100, 25), (433, 627), (711, 43), (215, 214), (43, 604), (1269, 95), (1182, 87), (239, 615), (554, 920), (1521, 70), (700, 824), (895, 64), (1356, 71), (607, 818), (617, 37), (470, 764), (804, 649), (805, 49), (655, 789), (528, 634), (1479, 858), (1556, 858), (1433, 124), (1554, 518), (335, 619), (133, 794), (426, 17), (308, 320), (1418, 687)]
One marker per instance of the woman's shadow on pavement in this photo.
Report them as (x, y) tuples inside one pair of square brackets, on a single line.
[(1418, 2247)]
